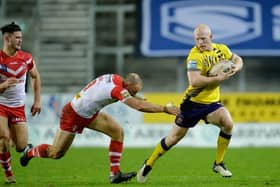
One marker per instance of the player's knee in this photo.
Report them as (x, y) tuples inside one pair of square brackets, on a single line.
[(118, 134), (227, 127), (4, 139), (121, 133), (226, 124), (4, 143)]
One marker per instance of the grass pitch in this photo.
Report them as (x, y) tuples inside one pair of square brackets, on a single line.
[(84, 167)]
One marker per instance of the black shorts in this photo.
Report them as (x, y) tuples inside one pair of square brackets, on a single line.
[(192, 112)]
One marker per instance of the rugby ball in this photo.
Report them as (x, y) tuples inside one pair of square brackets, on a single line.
[(224, 66)]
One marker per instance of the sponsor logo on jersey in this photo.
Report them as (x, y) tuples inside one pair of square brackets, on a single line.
[(3, 67), (18, 119), (13, 62)]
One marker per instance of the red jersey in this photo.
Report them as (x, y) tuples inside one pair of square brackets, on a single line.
[(15, 66), (100, 92)]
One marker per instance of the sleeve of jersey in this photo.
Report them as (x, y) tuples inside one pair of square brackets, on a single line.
[(30, 63), (193, 63), (120, 94), (225, 50)]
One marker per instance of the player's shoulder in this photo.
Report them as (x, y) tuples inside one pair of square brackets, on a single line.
[(24, 55), (194, 50), (220, 46), (194, 54), (117, 79)]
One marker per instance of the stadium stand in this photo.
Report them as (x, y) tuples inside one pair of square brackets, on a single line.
[(64, 47), (75, 40)]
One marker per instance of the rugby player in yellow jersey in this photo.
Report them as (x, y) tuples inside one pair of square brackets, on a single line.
[(201, 100)]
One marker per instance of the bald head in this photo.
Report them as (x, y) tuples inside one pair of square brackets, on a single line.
[(133, 78), (133, 83), (202, 28), (203, 37)]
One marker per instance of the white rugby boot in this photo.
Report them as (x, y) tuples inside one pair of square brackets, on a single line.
[(221, 169), (142, 174)]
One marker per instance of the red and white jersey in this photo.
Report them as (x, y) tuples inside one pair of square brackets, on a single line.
[(15, 66), (100, 92)]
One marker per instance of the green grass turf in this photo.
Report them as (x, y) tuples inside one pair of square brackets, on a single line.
[(84, 167)]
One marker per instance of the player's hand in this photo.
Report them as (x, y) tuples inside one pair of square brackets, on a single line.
[(35, 109), (233, 70), (221, 76), (9, 82), (169, 108)]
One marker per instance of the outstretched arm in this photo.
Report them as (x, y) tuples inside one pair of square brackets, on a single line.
[(145, 106)]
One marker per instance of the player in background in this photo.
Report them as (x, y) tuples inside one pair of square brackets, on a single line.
[(83, 111), (14, 66), (202, 100)]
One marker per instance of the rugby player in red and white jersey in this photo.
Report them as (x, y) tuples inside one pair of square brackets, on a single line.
[(14, 66), (84, 112)]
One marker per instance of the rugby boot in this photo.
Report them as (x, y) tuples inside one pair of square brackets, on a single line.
[(121, 177)]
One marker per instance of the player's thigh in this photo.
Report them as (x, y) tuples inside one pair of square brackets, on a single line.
[(220, 117), (19, 135), (107, 125), (175, 135), (62, 141)]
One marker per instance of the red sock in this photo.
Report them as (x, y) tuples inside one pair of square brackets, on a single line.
[(38, 151), (5, 160), (115, 153)]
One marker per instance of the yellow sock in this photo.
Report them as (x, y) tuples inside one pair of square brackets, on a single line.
[(223, 142), (158, 151)]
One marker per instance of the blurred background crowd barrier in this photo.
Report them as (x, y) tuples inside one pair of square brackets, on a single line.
[(74, 41)]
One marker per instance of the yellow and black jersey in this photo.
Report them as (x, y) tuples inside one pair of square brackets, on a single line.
[(203, 62)]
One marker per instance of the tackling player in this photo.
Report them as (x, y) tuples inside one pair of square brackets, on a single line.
[(83, 111), (202, 100), (14, 65)]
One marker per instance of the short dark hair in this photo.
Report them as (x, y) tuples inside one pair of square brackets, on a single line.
[(10, 28)]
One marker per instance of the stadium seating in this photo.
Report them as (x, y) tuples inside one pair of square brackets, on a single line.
[(64, 44), (72, 44)]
